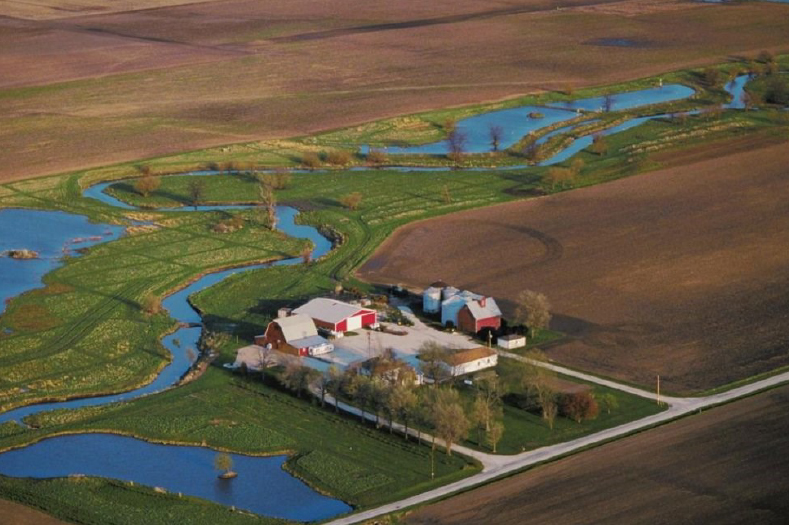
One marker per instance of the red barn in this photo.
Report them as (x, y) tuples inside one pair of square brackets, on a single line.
[(338, 317), (478, 314), (295, 335)]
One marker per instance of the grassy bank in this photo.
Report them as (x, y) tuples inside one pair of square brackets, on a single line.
[(336, 454)]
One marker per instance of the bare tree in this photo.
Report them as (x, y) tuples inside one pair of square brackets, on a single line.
[(376, 157), (311, 160), (334, 386), (532, 151), (147, 184), (494, 434), (531, 375), (339, 157), (496, 133), (446, 196), (450, 421), (306, 254), (488, 397), (608, 103), (268, 201), (560, 177), (298, 378), (456, 142), (599, 144), (576, 166), (352, 200), (533, 310), (549, 411), (196, 189), (223, 462), (151, 304), (402, 404), (432, 358)]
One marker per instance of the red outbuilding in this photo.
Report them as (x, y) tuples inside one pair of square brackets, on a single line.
[(338, 317)]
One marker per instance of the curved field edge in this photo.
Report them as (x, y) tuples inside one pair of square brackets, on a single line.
[(102, 292)]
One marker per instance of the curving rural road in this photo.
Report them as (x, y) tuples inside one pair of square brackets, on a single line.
[(495, 465)]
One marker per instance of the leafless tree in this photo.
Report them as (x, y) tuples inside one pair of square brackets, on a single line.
[(352, 200), (147, 184), (533, 310), (450, 421), (196, 189), (496, 133), (608, 103), (456, 142), (494, 434)]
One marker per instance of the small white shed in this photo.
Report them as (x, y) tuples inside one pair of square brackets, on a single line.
[(512, 341)]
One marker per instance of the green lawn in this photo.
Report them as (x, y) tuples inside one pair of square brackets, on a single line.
[(524, 430)]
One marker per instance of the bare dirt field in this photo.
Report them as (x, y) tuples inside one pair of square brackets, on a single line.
[(15, 514), (80, 90), (727, 466), (682, 272)]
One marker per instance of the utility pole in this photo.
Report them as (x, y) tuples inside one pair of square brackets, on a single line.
[(432, 461), (490, 336), (658, 389)]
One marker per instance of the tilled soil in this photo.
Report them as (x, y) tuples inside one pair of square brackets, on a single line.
[(682, 272), (726, 466)]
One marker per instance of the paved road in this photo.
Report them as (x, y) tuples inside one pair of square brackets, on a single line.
[(494, 466)]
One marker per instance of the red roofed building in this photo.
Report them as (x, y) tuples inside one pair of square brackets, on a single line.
[(338, 317), (478, 314)]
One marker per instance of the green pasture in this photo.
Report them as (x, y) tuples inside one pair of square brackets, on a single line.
[(357, 463)]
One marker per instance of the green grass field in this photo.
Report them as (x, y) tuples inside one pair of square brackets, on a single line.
[(525, 430), (242, 414)]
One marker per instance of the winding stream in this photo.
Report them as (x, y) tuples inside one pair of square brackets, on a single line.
[(267, 489)]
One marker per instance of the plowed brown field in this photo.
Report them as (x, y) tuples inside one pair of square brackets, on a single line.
[(727, 466), (15, 514), (682, 272), (167, 78)]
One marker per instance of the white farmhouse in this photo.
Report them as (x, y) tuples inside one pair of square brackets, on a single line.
[(471, 360)]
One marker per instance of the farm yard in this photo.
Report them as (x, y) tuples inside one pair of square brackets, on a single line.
[(256, 71), (709, 468)]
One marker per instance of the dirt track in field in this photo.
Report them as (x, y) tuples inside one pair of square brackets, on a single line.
[(726, 466), (165, 79), (682, 272), (15, 514)]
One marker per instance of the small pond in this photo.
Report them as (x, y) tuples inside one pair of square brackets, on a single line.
[(262, 486), (52, 234)]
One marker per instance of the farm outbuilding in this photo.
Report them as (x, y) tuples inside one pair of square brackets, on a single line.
[(478, 314), (431, 300), (512, 341), (295, 335), (470, 360), (338, 317)]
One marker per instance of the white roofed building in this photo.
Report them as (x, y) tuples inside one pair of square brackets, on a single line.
[(296, 335), (338, 317)]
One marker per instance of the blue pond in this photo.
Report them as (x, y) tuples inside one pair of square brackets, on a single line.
[(262, 485), (516, 123), (50, 233)]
